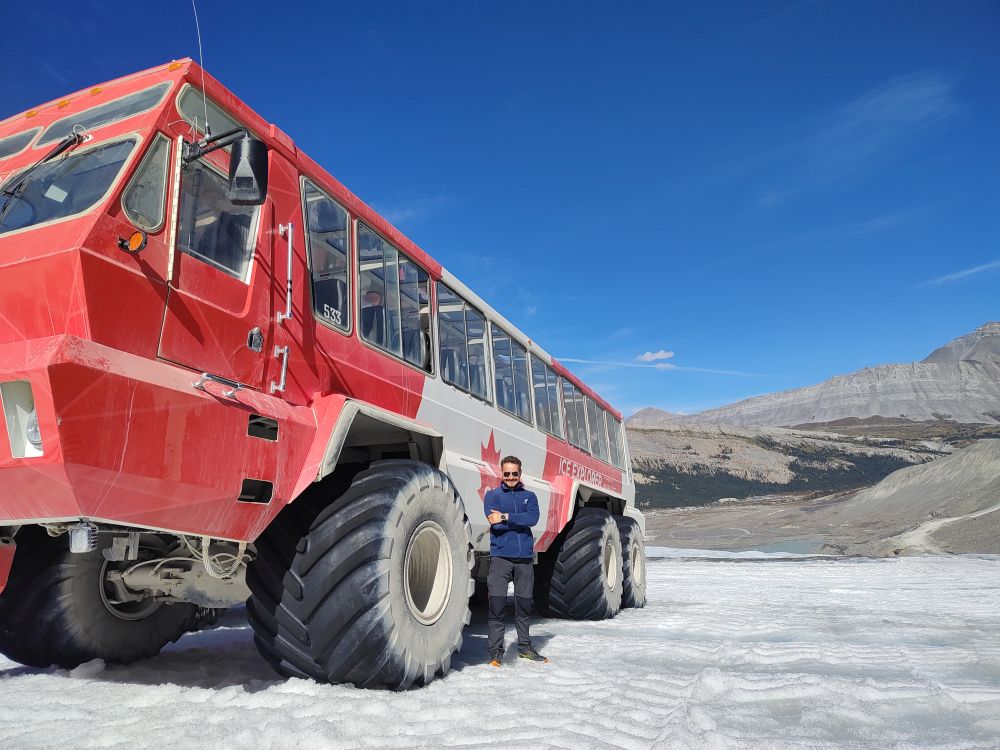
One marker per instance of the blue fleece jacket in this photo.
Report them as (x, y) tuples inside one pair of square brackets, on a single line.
[(512, 538)]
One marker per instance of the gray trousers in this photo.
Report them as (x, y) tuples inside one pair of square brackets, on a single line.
[(502, 570)]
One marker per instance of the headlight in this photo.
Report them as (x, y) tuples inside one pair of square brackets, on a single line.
[(31, 431)]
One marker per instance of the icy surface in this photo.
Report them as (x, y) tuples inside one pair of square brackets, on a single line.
[(733, 651)]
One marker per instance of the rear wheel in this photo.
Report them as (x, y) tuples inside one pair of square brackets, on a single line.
[(374, 590), (582, 578), (58, 608), (633, 563)]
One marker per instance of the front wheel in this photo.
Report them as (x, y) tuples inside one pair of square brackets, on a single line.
[(373, 591), (582, 578)]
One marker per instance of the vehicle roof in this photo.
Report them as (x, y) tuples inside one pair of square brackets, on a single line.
[(188, 71)]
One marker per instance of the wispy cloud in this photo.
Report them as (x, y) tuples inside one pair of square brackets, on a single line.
[(666, 366), (415, 210), (961, 275), (876, 126), (654, 356)]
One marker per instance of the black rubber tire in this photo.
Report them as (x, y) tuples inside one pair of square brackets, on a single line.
[(633, 563), (329, 593), (52, 611), (581, 578)]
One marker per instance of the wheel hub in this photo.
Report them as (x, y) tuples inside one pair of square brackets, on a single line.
[(427, 573), (612, 566)]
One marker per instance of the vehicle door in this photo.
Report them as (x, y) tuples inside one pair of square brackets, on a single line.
[(220, 307)]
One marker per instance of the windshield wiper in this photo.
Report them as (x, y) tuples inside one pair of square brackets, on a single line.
[(14, 185)]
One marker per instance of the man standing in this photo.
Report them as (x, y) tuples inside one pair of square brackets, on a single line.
[(512, 511)]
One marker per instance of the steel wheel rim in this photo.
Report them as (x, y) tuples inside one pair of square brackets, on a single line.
[(611, 565), (638, 565), (427, 573)]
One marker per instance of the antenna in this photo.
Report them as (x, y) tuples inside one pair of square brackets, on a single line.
[(201, 63)]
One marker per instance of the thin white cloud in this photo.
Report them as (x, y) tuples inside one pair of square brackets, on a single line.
[(960, 275), (667, 366), (876, 126), (414, 210), (654, 356)]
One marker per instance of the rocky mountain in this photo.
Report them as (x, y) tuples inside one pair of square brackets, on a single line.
[(951, 504), (677, 465), (959, 382)]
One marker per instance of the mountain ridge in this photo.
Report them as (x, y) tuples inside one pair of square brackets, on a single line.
[(959, 381)]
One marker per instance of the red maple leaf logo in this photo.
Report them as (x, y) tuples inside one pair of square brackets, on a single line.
[(488, 474)]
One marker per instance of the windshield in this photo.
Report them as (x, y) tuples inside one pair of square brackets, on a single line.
[(64, 187), (16, 143)]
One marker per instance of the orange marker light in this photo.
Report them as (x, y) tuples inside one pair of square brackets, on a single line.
[(63, 103), (174, 66), (31, 113), (134, 244), (96, 90)]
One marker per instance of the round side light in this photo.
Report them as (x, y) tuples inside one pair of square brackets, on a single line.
[(134, 244)]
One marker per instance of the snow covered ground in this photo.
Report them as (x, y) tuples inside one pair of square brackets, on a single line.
[(733, 651)]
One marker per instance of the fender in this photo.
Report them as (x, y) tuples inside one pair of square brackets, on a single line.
[(345, 421), (7, 547)]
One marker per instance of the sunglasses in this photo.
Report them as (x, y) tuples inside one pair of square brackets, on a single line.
[(514, 474)]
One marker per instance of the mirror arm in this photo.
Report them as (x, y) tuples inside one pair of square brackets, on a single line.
[(197, 150)]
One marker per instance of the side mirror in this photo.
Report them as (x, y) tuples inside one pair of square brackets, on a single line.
[(248, 172)]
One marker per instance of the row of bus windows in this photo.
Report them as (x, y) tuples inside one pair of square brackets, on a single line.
[(395, 316)]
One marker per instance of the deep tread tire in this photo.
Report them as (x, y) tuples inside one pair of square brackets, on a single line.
[(581, 579), (633, 563), (328, 588), (52, 611)]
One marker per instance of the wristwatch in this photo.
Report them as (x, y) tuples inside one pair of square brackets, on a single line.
[(504, 517)]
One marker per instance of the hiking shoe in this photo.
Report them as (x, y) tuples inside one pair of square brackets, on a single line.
[(531, 655), (496, 660)]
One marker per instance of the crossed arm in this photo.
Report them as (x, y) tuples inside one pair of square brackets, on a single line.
[(512, 521)]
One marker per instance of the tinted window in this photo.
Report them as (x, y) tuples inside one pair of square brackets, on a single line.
[(546, 388), (576, 416), (64, 187), (326, 236), (143, 201), (104, 114), (193, 105), (615, 441), (510, 367), (211, 228), (598, 430), (395, 310), (463, 343), (13, 144)]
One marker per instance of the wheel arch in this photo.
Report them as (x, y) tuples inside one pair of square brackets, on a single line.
[(366, 433)]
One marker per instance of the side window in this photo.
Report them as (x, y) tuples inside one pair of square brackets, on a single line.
[(212, 228), (541, 395), (451, 330), (510, 366), (615, 440), (598, 430), (327, 239), (415, 313), (143, 201), (463, 344), (395, 300), (546, 386), (576, 416)]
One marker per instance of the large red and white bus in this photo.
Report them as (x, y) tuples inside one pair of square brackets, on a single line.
[(225, 378)]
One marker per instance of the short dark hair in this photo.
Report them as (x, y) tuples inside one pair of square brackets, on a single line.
[(511, 460)]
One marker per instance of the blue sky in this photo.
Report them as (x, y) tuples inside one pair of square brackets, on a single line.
[(769, 193)]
